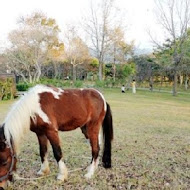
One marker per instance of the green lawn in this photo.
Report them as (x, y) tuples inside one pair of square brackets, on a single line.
[(151, 147)]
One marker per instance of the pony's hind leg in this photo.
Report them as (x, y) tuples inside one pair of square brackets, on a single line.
[(43, 141), (55, 143), (93, 137), (84, 131)]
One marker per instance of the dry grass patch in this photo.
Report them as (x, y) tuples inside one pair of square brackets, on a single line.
[(151, 148)]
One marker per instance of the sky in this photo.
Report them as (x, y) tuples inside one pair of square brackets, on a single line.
[(139, 16)]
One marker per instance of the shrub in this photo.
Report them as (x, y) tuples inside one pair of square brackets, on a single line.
[(108, 82), (7, 88), (99, 83), (23, 86), (56, 82), (78, 84), (66, 83)]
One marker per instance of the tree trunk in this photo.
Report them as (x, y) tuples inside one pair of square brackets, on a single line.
[(23, 77), (30, 78), (175, 84), (161, 82), (114, 66), (186, 82), (151, 83), (38, 76), (74, 73), (114, 72), (55, 70), (100, 70), (38, 72), (181, 80)]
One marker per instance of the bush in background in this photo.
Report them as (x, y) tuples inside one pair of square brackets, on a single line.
[(78, 84), (99, 84), (23, 86), (7, 88)]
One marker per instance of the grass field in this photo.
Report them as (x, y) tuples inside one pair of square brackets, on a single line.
[(151, 147)]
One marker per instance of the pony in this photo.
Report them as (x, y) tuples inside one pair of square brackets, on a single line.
[(46, 110)]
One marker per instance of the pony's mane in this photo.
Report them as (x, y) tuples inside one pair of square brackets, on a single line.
[(17, 122)]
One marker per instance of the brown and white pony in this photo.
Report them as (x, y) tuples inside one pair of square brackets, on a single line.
[(45, 110)]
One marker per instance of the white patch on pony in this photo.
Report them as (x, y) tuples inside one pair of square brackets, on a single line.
[(63, 173), (44, 170), (105, 105), (17, 122), (81, 89), (91, 169)]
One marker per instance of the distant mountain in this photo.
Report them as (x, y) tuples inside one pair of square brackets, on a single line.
[(140, 51)]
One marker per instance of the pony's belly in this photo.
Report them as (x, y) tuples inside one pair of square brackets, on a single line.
[(68, 127)]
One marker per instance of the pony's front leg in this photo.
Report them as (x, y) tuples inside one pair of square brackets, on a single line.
[(55, 142), (43, 141)]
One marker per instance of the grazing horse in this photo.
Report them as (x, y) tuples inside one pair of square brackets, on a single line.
[(45, 110)]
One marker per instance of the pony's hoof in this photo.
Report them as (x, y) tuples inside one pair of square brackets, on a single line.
[(61, 178), (88, 176), (42, 173)]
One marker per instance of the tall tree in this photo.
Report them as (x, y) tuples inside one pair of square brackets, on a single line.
[(174, 17), (98, 22), (118, 49), (76, 51), (31, 44), (186, 60), (146, 68), (56, 57)]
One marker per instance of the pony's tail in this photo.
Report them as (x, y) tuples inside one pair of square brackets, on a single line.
[(108, 137)]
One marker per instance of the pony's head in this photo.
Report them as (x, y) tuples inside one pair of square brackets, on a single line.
[(7, 160)]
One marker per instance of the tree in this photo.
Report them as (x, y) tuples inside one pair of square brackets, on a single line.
[(186, 59), (164, 57), (146, 68), (174, 17), (56, 57), (76, 51), (119, 50), (3, 68), (31, 44), (125, 70), (93, 66), (97, 25)]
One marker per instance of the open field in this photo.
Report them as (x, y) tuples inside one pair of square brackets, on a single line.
[(151, 147)]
